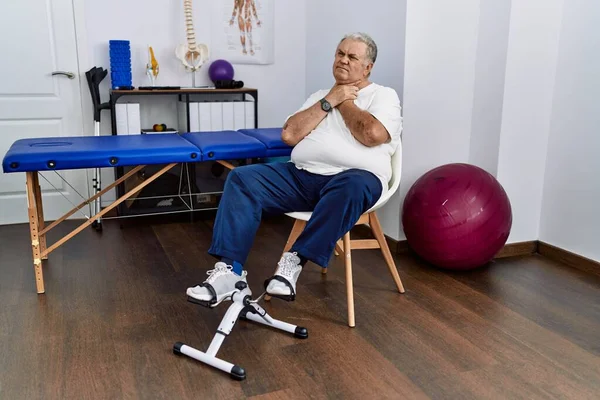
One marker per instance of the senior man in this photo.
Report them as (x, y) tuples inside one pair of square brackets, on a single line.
[(343, 140)]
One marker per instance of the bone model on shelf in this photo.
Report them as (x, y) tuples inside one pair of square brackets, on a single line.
[(152, 66), (191, 54)]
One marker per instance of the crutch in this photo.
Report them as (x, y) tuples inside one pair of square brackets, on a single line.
[(94, 76)]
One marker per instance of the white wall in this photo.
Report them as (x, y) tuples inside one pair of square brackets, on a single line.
[(502, 85), (482, 85), (384, 21), (439, 83), (509, 86), (160, 24), (570, 218), (490, 65), (529, 82)]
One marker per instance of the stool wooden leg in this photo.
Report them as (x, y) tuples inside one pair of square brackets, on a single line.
[(34, 218), (296, 231), (339, 249), (378, 233), (349, 284)]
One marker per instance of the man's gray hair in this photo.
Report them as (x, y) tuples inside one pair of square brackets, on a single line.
[(366, 39)]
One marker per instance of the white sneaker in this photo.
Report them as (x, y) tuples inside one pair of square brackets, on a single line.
[(283, 283), (219, 286)]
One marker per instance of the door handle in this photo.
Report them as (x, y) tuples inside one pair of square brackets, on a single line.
[(69, 75)]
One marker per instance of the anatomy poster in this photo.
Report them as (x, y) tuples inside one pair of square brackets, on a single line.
[(242, 31)]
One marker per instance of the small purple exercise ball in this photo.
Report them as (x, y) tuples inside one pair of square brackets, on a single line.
[(220, 70), (457, 216)]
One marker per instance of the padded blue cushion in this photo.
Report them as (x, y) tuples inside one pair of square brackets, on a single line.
[(271, 137), (226, 145), (75, 152)]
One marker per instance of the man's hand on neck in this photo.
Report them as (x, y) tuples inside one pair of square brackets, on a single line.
[(341, 96), (362, 124)]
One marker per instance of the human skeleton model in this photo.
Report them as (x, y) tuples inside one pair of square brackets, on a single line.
[(191, 54), (245, 9)]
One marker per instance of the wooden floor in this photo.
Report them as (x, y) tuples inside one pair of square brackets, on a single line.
[(115, 304)]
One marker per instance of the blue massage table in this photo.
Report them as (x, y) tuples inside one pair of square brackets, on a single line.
[(60, 153)]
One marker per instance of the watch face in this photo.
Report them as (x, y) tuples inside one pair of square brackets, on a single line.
[(325, 105)]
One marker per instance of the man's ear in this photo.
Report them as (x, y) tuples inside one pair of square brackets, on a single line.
[(368, 69)]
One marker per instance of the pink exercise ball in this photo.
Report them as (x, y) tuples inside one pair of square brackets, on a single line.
[(457, 217)]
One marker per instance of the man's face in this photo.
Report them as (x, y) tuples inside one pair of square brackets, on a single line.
[(350, 63)]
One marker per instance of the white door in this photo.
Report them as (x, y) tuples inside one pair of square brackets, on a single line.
[(37, 39)]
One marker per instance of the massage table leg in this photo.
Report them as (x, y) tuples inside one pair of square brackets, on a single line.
[(40, 213), (33, 194)]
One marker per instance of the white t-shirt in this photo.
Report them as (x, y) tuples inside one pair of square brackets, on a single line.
[(330, 148)]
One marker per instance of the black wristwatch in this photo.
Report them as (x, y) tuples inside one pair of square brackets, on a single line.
[(325, 105)]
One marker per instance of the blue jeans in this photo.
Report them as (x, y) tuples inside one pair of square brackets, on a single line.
[(337, 202)]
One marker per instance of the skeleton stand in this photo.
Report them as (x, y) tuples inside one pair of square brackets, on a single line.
[(242, 307)]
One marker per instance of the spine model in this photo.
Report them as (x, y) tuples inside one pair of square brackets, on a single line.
[(191, 54)]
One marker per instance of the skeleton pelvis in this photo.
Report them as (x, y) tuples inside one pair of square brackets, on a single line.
[(192, 59)]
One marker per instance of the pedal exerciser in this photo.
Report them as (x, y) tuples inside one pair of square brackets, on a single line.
[(244, 307)]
